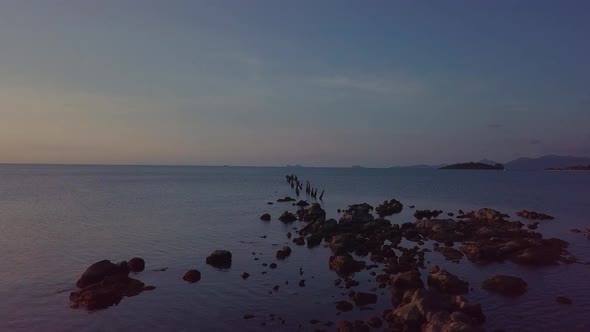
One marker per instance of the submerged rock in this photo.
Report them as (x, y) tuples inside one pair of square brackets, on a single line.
[(220, 259), (563, 300), (192, 276), (505, 285)]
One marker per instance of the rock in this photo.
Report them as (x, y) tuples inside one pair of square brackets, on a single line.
[(104, 284), (273, 265), (446, 282), (302, 203), (245, 275), (344, 306), (533, 215), (450, 254), (505, 285), (374, 322), (192, 276), (563, 300), (404, 282), (109, 291), (265, 217), (345, 264), (219, 259), (287, 217), (283, 253), (286, 199), (249, 316), (302, 283), (362, 299), (99, 270), (136, 264), (357, 214), (314, 213), (299, 241), (421, 214), (389, 208)]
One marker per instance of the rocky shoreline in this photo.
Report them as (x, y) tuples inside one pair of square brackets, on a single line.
[(395, 254)]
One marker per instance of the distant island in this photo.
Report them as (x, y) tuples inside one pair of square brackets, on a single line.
[(473, 165), (571, 168)]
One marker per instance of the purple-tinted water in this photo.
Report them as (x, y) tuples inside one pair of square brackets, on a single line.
[(56, 220)]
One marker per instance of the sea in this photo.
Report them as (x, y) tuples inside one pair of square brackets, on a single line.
[(56, 220)]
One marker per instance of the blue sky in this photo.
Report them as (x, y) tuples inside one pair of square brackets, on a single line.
[(324, 83)]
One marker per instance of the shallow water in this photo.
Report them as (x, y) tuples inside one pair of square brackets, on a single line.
[(57, 220)]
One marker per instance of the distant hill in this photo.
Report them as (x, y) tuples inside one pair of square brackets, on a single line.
[(572, 168), (545, 162), (487, 161), (474, 166), (421, 166)]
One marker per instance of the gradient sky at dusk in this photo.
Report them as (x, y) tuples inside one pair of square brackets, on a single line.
[(374, 83)]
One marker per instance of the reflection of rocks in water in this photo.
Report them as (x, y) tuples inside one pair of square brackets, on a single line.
[(105, 284)]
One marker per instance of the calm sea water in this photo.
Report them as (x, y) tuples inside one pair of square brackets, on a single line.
[(57, 220)]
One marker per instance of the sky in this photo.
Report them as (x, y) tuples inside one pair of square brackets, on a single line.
[(316, 83)]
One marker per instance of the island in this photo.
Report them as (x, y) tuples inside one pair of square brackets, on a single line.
[(571, 168), (473, 165)]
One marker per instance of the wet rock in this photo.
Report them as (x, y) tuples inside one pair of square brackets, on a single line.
[(220, 259), (314, 240), (404, 282), (287, 217), (245, 275), (273, 265), (344, 306), (374, 322), (563, 300), (283, 253), (265, 217), (136, 264), (389, 208), (450, 254), (446, 282), (99, 270), (192, 276), (269, 203), (533, 215), (299, 241), (286, 199), (104, 284), (505, 285), (362, 299), (314, 213), (345, 264), (357, 214), (302, 283), (302, 203)]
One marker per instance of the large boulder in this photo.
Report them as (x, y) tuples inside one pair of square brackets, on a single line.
[(357, 214), (99, 270), (314, 213), (219, 259), (505, 285), (104, 284)]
